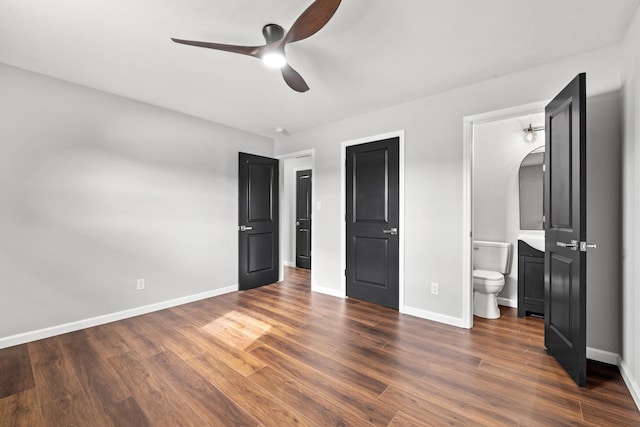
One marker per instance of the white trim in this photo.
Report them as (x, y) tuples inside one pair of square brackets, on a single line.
[(289, 263), (328, 291), (108, 318), (602, 356), (507, 302), (632, 385), (467, 223), (468, 123), (436, 317), (343, 209), (310, 152)]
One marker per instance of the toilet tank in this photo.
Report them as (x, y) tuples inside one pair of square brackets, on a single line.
[(492, 256)]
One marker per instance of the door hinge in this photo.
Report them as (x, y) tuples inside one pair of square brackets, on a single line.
[(544, 219), (544, 167), (345, 272)]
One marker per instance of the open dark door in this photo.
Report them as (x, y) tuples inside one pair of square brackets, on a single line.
[(565, 230), (372, 222), (303, 219), (258, 228)]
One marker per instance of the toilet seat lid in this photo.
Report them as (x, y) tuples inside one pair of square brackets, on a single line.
[(487, 275)]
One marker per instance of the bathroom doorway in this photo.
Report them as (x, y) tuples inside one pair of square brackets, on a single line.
[(499, 149), (495, 147)]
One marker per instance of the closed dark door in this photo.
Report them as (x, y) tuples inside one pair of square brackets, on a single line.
[(565, 228), (372, 222), (258, 260), (303, 219)]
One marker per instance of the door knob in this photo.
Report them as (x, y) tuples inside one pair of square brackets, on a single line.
[(584, 246), (297, 222), (245, 228), (392, 231)]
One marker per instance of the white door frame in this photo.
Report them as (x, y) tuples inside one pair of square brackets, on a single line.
[(343, 210), (311, 152), (467, 194)]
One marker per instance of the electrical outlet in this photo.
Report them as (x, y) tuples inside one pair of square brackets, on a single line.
[(434, 288), (140, 284)]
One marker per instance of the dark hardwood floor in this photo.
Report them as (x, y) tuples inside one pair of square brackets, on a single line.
[(280, 355)]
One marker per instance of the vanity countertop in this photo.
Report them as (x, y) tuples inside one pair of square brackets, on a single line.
[(536, 241)]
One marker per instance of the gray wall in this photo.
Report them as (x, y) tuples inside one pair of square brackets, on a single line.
[(631, 207), (434, 175), (603, 221), (98, 191)]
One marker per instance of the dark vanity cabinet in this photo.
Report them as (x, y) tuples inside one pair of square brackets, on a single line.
[(530, 280)]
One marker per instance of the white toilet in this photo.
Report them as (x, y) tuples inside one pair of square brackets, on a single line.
[(491, 260)]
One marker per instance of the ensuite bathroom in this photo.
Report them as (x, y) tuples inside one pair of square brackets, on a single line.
[(508, 247)]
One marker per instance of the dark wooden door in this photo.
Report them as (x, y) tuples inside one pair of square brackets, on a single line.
[(565, 228), (372, 222), (303, 219), (258, 228)]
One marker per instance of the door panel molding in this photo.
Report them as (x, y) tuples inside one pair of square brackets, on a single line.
[(400, 134), (565, 196), (303, 217), (258, 220)]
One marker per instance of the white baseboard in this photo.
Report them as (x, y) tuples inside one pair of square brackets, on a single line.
[(327, 291), (26, 337), (289, 263), (429, 315), (632, 384), (508, 302), (602, 356)]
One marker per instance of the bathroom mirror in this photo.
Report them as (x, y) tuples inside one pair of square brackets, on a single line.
[(531, 190)]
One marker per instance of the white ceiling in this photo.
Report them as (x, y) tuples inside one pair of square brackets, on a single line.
[(372, 54)]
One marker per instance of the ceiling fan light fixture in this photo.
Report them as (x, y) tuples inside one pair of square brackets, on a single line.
[(274, 60), (312, 20)]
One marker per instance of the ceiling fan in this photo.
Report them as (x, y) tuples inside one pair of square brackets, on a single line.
[(272, 53)]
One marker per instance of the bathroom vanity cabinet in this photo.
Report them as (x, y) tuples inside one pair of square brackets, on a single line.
[(530, 280)]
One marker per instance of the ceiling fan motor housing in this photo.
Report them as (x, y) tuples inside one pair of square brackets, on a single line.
[(272, 33)]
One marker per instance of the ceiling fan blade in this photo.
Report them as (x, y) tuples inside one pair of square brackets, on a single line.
[(312, 20), (243, 50), (294, 79)]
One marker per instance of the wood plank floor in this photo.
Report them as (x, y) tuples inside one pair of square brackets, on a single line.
[(283, 356)]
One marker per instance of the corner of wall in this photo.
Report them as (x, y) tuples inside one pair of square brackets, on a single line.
[(632, 384)]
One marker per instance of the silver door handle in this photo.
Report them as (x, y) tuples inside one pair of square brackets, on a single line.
[(573, 245), (391, 231), (245, 228), (297, 222), (584, 246)]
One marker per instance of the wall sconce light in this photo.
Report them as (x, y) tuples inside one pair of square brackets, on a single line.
[(530, 132)]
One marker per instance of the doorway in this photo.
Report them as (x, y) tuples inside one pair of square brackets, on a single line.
[(505, 187), (469, 232), (290, 166)]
